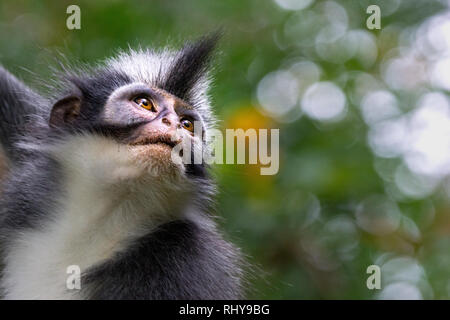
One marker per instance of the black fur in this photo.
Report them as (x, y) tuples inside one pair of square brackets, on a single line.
[(96, 89), (174, 262), (189, 66), (18, 104)]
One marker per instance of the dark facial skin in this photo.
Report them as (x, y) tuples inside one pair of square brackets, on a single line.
[(135, 114), (159, 114)]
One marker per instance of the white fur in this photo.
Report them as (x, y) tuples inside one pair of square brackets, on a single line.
[(111, 197)]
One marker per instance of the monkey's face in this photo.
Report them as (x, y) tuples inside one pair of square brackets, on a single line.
[(157, 121), (147, 123), (141, 103)]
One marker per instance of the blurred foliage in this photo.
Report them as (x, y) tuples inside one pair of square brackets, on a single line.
[(349, 192)]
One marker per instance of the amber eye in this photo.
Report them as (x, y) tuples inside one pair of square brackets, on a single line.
[(145, 103), (187, 124)]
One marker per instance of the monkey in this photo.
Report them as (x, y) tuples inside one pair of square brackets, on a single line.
[(91, 182)]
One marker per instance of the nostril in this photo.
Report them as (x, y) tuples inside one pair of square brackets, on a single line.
[(166, 121)]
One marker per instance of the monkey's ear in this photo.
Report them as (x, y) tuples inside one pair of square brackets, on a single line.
[(65, 111)]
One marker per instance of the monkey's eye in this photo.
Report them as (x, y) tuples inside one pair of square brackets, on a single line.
[(187, 124), (145, 103)]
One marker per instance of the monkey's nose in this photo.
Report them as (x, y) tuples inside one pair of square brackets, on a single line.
[(171, 121)]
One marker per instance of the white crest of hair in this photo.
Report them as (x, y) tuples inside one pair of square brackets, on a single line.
[(110, 199)]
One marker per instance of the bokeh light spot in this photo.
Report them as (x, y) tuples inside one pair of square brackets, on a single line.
[(324, 101)]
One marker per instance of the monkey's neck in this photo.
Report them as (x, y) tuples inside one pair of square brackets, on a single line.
[(114, 193), (98, 220)]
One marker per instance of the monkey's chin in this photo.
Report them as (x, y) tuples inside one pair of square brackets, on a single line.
[(156, 159)]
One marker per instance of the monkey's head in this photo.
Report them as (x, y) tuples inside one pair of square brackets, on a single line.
[(133, 111)]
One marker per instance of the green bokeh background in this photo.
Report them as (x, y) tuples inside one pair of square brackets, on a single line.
[(299, 228)]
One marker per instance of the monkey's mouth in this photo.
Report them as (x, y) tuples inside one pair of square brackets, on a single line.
[(165, 140)]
